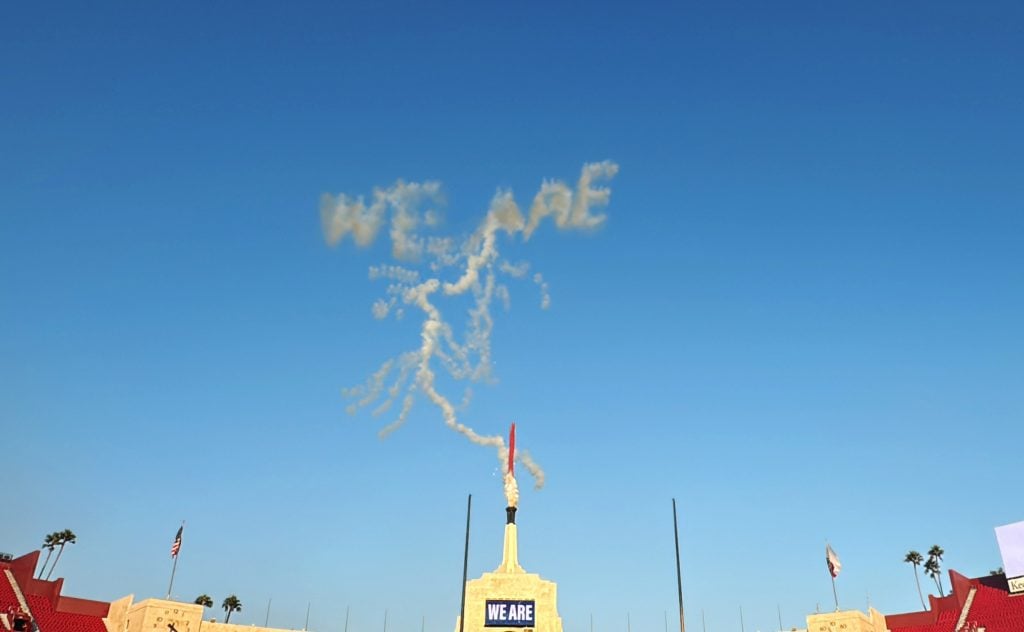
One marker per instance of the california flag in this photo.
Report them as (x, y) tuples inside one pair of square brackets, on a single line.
[(834, 566)]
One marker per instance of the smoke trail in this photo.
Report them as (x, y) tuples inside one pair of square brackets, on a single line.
[(475, 261), (511, 490), (545, 295)]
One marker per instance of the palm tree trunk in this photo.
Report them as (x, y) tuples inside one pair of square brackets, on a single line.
[(941, 591), (228, 618), (917, 580), (45, 562), (55, 562)]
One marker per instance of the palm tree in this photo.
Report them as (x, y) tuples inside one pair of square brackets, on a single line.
[(49, 543), (67, 536), (936, 553), (931, 569), (204, 600), (998, 571), (915, 558), (231, 604)]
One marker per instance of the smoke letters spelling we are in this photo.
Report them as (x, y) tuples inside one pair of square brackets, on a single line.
[(434, 268)]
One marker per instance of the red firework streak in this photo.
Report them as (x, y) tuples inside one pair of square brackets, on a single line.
[(512, 449)]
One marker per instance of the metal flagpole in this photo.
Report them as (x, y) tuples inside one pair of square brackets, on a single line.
[(829, 553), (465, 566), (679, 575), (174, 569)]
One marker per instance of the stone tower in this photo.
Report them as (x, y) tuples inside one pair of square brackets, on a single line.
[(509, 599)]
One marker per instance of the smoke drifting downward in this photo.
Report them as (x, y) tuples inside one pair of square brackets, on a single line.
[(445, 268)]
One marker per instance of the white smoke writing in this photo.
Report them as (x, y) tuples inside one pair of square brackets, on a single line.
[(341, 215), (474, 268)]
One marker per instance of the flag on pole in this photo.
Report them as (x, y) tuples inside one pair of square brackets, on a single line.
[(834, 566), (176, 546)]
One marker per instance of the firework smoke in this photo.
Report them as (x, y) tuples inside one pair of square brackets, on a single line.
[(454, 268)]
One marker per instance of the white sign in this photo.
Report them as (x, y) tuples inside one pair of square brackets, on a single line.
[(1011, 546)]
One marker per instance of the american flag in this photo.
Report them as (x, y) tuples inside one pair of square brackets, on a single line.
[(177, 542)]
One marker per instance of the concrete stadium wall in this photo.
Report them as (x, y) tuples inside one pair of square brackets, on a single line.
[(155, 615)]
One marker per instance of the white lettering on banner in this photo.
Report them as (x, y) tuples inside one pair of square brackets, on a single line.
[(514, 613)]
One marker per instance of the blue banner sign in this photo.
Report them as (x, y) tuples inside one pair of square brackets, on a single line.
[(508, 613)]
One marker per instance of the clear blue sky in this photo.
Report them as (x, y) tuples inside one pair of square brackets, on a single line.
[(802, 318)]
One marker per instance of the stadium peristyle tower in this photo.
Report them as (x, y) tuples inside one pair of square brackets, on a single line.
[(509, 598)]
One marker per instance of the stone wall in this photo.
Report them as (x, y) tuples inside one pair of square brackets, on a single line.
[(156, 615), (117, 617), (847, 621)]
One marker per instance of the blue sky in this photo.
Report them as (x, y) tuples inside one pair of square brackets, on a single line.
[(801, 317)]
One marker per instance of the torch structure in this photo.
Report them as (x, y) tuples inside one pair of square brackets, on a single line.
[(510, 553), (510, 478), (509, 597)]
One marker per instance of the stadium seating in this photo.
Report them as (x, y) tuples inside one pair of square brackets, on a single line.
[(47, 610), (50, 620), (992, 608)]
